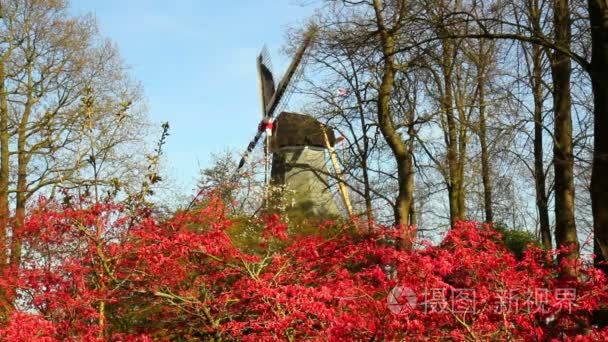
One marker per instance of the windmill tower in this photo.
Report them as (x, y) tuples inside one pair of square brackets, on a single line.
[(297, 142), (298, 162)]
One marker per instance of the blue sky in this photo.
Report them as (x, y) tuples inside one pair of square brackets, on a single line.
[(196, 61)]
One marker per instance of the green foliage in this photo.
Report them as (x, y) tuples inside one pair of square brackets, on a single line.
[(517, 241), (249, 234)]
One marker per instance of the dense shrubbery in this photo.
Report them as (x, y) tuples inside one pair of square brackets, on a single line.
[(101, 273), (516, 241)]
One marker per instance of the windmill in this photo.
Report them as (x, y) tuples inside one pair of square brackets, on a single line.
[(297, 141)]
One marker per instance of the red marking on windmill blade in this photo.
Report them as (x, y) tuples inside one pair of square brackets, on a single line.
[(340, 139)]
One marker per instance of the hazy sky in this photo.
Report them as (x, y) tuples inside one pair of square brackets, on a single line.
[(196, 61)]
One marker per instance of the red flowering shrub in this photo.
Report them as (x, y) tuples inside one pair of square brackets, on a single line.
[(101, 273)]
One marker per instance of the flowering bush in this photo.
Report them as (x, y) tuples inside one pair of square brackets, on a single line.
[(102, 273)]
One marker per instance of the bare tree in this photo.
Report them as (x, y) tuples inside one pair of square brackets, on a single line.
[(65, 104), (385, 120)]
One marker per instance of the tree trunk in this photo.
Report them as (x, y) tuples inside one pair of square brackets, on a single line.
[(400, 151), (393, 139), (367, 193), (5, 300), (413, 218), (16, 242), (539, 172), (4, 169), (411, 131), (369, 210), (540, 178), (462, 155), (22, 195), (565, 228), (539, 168), (483, 141), (451, 138), (598, 14), (485, 54)]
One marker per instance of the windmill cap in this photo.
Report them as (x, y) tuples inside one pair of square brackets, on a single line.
[(294, 129)]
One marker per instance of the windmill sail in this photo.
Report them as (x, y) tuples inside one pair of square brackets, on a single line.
[(271, 98), (291, 88), (291, 70), (267, 90), (267, 87)]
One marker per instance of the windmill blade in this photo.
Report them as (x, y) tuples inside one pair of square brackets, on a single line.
[(250, 148), (265, 55), (291, 88), (291, 70), (266, 79), (267, 91), (281, 89)]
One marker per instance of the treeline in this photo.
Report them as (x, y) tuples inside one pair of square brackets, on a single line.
[(470, 110)]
